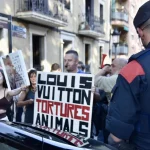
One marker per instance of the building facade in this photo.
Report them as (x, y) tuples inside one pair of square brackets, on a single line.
[(135, 42), (45, 29), (123, 13)]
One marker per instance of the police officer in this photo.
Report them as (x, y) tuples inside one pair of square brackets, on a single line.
[(128, 118)]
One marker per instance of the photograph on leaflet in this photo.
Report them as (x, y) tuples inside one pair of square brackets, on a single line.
[(15, 70), (64, 101)]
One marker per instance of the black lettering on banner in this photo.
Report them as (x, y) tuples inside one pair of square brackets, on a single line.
[(51, 121), (71, 127), (40, 90), (75, 93), (45, 120), (61, 89), (40, 81), (64, 83), (72, 81), (59, 123), (85, 97), (38, 120), (51, 76), (66, 125), (86, 82), (68, 93), (82, 126), (53, 94), (46, 96)]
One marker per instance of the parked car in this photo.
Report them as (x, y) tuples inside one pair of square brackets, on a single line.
[(18, 136)]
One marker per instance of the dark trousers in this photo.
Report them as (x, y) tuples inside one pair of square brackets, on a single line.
[(19, 114)]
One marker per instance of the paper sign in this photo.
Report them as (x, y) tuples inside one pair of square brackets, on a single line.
[(15, 70), (64, 101)]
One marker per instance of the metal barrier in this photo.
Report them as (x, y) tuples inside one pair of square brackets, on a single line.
[(92, 23), (42, 7)]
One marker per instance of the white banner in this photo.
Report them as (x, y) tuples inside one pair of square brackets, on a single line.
[(15, 70), (64, 101)]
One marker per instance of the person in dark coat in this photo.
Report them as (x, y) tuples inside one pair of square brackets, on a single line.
[(128, 118)]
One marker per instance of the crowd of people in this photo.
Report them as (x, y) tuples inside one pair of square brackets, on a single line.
[(105, 80), (121, 111)]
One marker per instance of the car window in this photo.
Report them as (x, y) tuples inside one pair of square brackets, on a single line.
[(4, 146), (9, 144)]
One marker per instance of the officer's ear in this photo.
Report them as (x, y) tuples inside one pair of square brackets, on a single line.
[(140, 32)]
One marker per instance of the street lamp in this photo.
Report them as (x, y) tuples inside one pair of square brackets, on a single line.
[(115, 39)]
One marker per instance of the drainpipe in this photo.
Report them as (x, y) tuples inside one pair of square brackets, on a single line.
[(10, 33), (110, 45), (112, 8)]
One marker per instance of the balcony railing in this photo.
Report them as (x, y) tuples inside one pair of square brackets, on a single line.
[(122, 16), (40, 6), (40, 11), (121, 49), (92, 26)]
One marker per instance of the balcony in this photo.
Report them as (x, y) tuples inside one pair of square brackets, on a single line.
[(40, 12), (119, 18), (122, 49), (92, 27)]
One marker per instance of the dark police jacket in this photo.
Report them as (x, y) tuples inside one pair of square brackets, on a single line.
[(129, 112)]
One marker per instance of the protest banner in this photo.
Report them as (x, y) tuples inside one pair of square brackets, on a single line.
[(15, 70), (64, 101), (78, 141)]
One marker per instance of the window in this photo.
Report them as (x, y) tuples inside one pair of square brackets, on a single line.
[(1, 33), (8, 144), (38, 49), (4, 146), (67, 4), (87, 54), (101, 12), (67, 46), (87, 58), (1, 43), (88, 7)]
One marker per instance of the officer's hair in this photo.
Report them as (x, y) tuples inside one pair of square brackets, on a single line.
[(75, 53), (146, 25)]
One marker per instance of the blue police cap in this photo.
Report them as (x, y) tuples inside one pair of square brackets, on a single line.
[(142, 15)]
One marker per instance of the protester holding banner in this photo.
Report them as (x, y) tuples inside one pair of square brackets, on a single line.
[(71, 62), (64, 101), (26, 98), (6, 96)]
